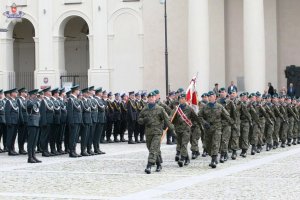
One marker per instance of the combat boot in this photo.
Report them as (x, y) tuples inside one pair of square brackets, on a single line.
[(259, 148), (204, 154), (148, 168), (253, 150), (193, 155), (177, 156), (158, 166), (268, 148), (130, 141), (222, 160), (181, 161), (233, 155), (298, 142), (275, 145), (244, 153), (294, 141), (225, 156), (31, 160), (289, 142), (187, 161), (283, 145), (213, 163), (36, 160)]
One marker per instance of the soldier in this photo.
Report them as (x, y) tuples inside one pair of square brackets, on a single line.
[(285, 125), (74, 119), (142, 127), (292, 117), (85, 130), (211, 116), (201, 104), (33, 108), (104, 100), (67, 131), (279, 119), (110, 117), (54, 135), (12, 121), (123, 125), (22, 127), (117, 117), (184, 118), (94, 115), (131, 117), (298, 133), (139, 107), (296, 123), (170, 104), (63, 120), (153, 117), (269, 126), (100, 121), (40, 97), (226, 126), (2, 121)]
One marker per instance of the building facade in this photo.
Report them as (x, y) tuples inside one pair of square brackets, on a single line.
[(119, 44)]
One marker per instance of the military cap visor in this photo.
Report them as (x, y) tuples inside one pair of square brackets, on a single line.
[(75, 87), (85, 90), (47, 89), (1, 91), (98, 90), (131, 93), (117, 94), (123, 95), (22, 90), (33, 92), (91, 88), (55, 90), (13, 91)]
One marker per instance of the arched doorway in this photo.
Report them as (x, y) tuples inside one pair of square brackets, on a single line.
[(24, 54), (76, 52)]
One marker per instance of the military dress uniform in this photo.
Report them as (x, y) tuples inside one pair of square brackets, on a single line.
[(94, 115), (131, 118), (139, 108), (123, 126), (63, 122), (110, 119), (33, 123), (55, 134), (2, 123), (117, 119), (100, 122), (85, 130), (22, 127)]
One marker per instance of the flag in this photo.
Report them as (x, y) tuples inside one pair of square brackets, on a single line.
[(191, 95)]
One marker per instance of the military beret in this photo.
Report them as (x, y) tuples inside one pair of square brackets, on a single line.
[(22, 90), (268, 96), (98, 90), (117, 94), (75, 87), (183, 95), (151, 94), (137, 94), (109, 94), (47, 89), (55, 90), (156, 92), (222, 89), (204, 95), (180, 90), (123, 95), (91, 88), (85, 90), (210, 93), (258, 94), (232, 91), (143, 94), (33, 92), (243, 94), (252, 95), (131, 93)]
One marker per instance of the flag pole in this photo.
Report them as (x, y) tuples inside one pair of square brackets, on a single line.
[(165, 131)]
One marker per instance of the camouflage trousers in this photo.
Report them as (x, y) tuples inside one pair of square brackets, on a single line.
[(203, 140), (235, 136), (261, 132), (194, 139), (296, 129), (213, 140), (269, 133), (291, 128), (255, 135), (226, 134), (244, 138), (153, 146), (277, 126), (183, 139), (283, 132)]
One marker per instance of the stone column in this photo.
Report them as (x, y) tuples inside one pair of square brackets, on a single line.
[(254, 46), (7, 73), (198, 43)]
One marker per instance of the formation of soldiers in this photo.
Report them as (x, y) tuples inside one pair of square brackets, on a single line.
[(224, 124)]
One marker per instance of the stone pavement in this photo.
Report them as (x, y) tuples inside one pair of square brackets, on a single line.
[(120, 175)]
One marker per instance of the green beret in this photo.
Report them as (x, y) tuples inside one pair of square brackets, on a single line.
[(222, 89), (252, 95), (180, 90), (204, 95), (243, 94), (183, 95), (210, 93), (275, 96), (156, 92), (151, 94), (258, 94)]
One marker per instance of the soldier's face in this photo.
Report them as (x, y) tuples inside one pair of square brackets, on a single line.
[(117, 98), (1, 95), (223, 94), (33, 96), (151, 99), (253, 98), (212, 98), (258, 98), (182, 100), (274, 100), (205, 99)]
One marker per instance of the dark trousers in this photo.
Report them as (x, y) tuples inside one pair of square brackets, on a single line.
[(123, 127), (44, 138), (3, 134), (131, 128), (97, 136), (84, 134), (103, 132), (60, 136), (91, 136), (142, 132), (117, 129), (22, 135), (53, 136), (74, 132), (33, 133), (66, 138), (137, 131), (11, 136), (109, 127)]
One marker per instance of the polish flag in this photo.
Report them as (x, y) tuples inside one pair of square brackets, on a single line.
[(191, 95)]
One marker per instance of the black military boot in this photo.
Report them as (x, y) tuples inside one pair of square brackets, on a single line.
[(253, 150), (130, 141), (283, 145), (181, 161), (275, 145), (193, 155), (222, 160), (225, 156), (258, 149), (294, 141), (90, 151), (213, 163), (289, 142), (31, 160), (233, 155), (268, 147), (22, 151), (136, 140), (177, 156), (244, 153), (36, 160), (1, 151), (123, 139), (204, 154), (148, 168), (187, 161), (158, 165)]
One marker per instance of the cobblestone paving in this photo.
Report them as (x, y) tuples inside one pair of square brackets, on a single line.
[(120, 175)]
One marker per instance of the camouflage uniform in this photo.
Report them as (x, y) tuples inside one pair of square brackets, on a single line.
[(211, 116), (292, 117), (285, 125), (246, 123), (296, 125), (269, 126), (201, 105), (154, 119), (277, 124)]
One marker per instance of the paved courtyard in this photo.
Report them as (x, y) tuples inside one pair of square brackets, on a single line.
[(120, 175)]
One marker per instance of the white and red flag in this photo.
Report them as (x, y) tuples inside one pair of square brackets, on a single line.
[(191, 95)]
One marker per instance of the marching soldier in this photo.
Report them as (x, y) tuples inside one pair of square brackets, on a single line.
[(63, 120), (54, 135), (211, 116), (22, 127), (269, 126), (201, 104), (296, 123), (285, 125), (131, 117), (292, 117), (12, 121), (100, 121), (117, 117), (94, 115), (33, 109), (153, 117), (74, 119), (279, 119), (123, 117), (2, 121)]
